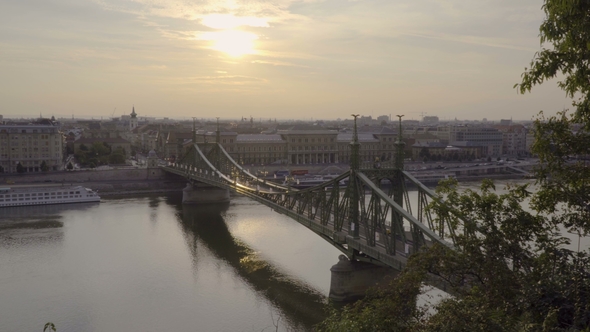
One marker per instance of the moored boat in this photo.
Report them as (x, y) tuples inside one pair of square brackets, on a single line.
[(24, 196), (308, 182)]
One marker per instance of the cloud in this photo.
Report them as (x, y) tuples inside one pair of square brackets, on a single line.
[(278, 63), (294, 53)]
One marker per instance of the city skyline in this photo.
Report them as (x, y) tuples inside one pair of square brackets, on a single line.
[(283, 59)]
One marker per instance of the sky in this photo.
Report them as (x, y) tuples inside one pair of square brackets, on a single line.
[(284, 59)]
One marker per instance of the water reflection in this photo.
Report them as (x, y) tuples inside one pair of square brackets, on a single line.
[(37, 217), (31, 226), (41, 211), (301, 306)]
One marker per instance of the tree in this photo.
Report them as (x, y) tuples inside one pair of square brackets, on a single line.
[(100, 149), (120, 150), (83, 147), (564, 183), (116, 158), (424, 154), (510, 272), (20, 168), (44, 166), (519, 275)]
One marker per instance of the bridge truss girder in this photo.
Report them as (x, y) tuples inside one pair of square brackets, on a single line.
[(369, 220)]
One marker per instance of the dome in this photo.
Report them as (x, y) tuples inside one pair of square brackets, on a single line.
[(152, 154)]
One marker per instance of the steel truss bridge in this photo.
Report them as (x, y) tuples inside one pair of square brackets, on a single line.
[(365, 213)]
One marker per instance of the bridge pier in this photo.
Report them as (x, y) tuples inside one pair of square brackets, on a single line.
[(351, 279), (202, 193)]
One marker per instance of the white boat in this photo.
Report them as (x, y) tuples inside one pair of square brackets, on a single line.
[(308, 182), (23, 196)]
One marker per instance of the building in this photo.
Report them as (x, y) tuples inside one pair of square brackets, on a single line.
[(133, 120), (430, 120), (488, 140), (440, 151), (290, 145), (311, 146), (513, 139), (258, 149), (31, 145)]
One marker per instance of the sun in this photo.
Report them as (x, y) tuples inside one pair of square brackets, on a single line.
[(234, 43), (227, 36)]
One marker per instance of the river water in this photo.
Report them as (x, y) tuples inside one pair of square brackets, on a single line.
[(148, 263), (152, 264)]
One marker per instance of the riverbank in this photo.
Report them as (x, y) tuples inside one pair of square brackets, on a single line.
[(116, 182), (106, 182)]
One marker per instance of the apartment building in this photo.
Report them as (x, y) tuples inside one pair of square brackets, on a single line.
[(31, 144), (513, 139)]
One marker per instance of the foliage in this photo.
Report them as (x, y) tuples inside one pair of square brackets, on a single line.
[(116, 158), (424, 154), (510, 273), (49, 327), (100, 153), (44, 166), (20, 168), (562, 142)]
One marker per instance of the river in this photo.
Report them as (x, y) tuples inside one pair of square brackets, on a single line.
[(151, 264), (148, 263)]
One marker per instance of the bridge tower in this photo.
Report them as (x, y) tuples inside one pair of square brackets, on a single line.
[(353, 222), (201, 193), (350, 278)]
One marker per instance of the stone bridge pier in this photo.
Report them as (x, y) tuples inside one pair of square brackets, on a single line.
[(351, 279), (202, 193)]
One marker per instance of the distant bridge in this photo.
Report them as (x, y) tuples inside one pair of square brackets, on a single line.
[(365, 213)]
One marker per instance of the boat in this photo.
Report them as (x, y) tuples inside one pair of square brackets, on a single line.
[(308, 182), (23, 196)]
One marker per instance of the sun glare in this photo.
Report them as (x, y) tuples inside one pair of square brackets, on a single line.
[(229, 39), (232, 42)]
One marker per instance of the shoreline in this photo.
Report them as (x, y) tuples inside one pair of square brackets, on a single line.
[(120, 185)]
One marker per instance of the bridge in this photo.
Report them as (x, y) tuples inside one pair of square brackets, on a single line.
[(364, 212)]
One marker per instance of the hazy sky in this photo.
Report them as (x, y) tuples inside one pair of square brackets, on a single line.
[(270, 58)]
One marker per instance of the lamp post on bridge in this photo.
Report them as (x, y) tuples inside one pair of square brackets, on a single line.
[(353, 222), (194, 131), (399, 162), (217, 133)]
